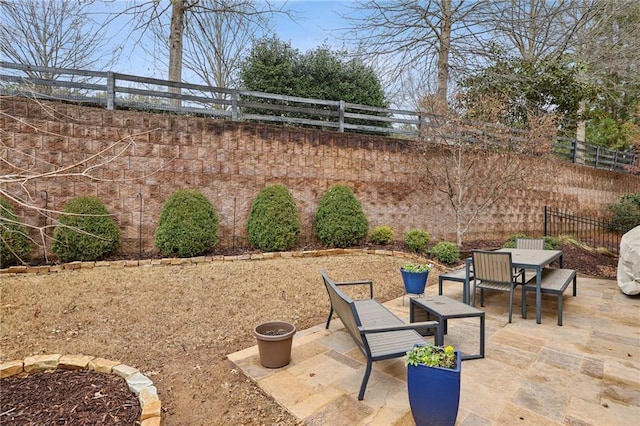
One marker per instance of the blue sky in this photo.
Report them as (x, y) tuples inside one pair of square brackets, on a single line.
[(315, 23)]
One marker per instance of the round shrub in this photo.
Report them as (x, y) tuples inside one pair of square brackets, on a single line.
[(340, 221), (274, 223), (552, 243), (14, 240), (626, 212), (417, 240), (382, 235), (86, 231), (188, 225), (446, 252)]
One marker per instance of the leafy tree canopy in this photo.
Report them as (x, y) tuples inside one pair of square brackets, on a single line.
[(526, 88), (273, 66)]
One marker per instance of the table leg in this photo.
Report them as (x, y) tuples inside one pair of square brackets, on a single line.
[(482, 335), (538, 295), (466, 285)]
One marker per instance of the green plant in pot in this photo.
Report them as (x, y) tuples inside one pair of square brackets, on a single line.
[(436, 368), (414, 277)]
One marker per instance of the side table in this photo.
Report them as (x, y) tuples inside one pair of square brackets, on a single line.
[(443, 309)]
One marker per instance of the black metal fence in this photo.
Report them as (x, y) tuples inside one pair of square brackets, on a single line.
[(589, 231)]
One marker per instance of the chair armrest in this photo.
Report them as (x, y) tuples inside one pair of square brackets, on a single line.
[(362, 282), (399, 327)]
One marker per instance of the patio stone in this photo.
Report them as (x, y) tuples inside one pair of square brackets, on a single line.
[(586, 372)]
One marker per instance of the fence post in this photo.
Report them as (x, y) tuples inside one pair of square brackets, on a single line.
[(111, 90), (341, 116), (234, 105), (545, 221)]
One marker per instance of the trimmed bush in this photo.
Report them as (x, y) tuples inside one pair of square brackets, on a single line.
[(14, 240), (626, 212), (550, 243), (86, 231), (417, 240), (274, 223), (188, 225), (340, 220), (446, 252), (382, 235)]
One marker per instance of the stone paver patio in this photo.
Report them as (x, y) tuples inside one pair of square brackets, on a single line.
[(586, 372)]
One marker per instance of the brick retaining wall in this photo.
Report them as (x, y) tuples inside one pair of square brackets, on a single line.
[(230, 162)]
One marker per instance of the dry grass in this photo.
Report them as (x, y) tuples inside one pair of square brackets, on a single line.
[(178, 323)]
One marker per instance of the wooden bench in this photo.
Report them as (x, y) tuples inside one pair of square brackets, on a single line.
[(376, 330), (554, 281)]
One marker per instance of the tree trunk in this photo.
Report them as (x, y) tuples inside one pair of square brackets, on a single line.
[(581, 134), (175, 47), (443, 58)]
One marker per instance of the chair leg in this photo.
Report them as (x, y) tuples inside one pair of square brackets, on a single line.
[(329, 319), (439, 286), (482, 297), (365, 379), (510, 303)]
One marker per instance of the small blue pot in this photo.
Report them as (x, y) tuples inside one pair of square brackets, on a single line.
[(414, 282), (434, 393)]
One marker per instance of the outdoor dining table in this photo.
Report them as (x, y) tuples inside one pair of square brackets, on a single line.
[(535, 260)]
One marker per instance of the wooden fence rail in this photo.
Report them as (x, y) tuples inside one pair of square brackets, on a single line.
[(114, 90)]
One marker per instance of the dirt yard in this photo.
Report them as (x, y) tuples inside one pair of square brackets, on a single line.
[(176, 324)]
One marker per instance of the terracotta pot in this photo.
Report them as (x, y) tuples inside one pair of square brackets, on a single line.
[(274, 343)]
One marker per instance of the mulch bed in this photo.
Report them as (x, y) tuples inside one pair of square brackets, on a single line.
[(68, 397)]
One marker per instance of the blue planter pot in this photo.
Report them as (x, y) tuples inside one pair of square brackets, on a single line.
[(414, 282), (434, 393)]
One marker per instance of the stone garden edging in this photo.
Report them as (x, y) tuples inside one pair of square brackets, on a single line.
[(138, 383), (44, 269)]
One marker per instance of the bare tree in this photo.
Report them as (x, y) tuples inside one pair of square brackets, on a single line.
[(59, 34), (409, 41), (532, 29), (24, 172), (216, 42), (195, 18), (476, 165)]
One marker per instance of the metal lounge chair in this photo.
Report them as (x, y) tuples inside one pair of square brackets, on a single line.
[(377, 332)]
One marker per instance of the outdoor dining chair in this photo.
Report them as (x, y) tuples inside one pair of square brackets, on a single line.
[(494, 271), (530, 243)]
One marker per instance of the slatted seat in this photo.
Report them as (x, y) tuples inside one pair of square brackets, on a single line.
[(554, 281), (378, 332)]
